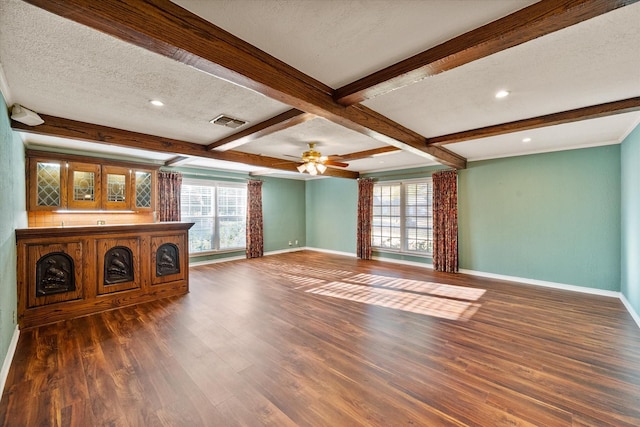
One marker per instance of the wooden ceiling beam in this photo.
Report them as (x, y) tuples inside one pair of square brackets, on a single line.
[(364, 154), (280, 122), (586, 113), (165, 28), (534, 21), (71, 129), (177, 160)]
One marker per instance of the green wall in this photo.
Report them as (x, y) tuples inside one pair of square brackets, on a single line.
[(331, 207), (552, 217), (12, 215), (283, 209), (630, 219)]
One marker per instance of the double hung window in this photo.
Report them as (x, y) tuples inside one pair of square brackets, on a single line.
[(403, 216), (218, 210)]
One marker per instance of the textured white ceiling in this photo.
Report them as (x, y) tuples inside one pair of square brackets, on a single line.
[(591, 63), (57, 67), (339, 41)]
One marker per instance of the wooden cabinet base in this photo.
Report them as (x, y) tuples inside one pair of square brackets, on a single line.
[(71, 272)]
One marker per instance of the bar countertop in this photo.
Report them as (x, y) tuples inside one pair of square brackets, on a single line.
[(79, 230)]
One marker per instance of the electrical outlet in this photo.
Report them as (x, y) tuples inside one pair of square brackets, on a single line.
[(296, 243), (290, 243), (14, 317)]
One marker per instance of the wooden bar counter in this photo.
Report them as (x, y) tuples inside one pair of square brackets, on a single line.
[(67, 272)]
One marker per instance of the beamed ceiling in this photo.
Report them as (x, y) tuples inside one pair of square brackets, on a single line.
[(380, 85)]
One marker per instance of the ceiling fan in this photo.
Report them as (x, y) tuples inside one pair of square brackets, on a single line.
[(313, 162)]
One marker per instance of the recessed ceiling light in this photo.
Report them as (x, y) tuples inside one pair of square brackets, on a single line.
[(526, 139), (156, 102), (502, 94)]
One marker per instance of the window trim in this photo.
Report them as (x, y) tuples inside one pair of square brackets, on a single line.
[(403, 231)]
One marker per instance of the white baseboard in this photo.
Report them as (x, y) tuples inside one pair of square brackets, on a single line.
[(405, 262), (8, 359), (630, 309), (217, 260), (239, 257), (329, 251), (546, 284), (284, 251)]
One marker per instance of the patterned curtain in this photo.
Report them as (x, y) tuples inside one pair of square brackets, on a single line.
[(445, 221), (255, 241), (365, 217), (169, 186)]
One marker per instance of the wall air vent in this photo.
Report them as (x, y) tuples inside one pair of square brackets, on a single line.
[(227, 121)]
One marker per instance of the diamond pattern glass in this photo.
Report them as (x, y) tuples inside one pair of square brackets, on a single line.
[(48, 175), (143, 189)]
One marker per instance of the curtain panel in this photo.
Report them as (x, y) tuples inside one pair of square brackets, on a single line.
[(365, 218), (445, 221), (255, 240), (169, 187)]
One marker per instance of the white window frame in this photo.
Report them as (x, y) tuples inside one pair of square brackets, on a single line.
[(216, 214), (402, 219)]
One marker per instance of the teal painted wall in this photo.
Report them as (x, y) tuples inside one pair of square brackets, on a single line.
[(331, 211), (630, 219), (552, 217), (284, 212), (12, 215)]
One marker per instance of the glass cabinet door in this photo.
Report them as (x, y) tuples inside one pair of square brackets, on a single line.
[(116, 187), (83, 190), (144, 185), (46, 185)]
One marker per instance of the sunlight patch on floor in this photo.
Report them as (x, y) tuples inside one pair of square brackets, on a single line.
[(440, 289), (445, 308), (415, 296)]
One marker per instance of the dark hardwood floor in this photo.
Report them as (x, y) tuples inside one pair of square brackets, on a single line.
[(314, 339)]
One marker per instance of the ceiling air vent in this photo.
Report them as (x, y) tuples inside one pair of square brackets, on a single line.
[(227, 121)]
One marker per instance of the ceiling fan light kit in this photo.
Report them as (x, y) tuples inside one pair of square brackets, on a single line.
[(313, 161)]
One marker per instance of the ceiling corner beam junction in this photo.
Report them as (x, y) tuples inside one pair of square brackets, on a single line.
[(165, 28)]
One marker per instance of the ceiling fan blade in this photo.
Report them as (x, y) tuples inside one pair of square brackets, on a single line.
[(334, 163)]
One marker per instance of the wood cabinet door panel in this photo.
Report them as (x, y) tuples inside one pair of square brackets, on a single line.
[(47, 273), (167, 265), (116, 188), (118, 265)]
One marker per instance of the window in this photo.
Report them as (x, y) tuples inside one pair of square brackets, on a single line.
[(403, 217), (218, 210)]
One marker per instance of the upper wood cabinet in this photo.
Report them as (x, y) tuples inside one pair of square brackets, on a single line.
[(82, 183)]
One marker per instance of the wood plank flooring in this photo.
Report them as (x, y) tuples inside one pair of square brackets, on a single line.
[(311, 339)]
